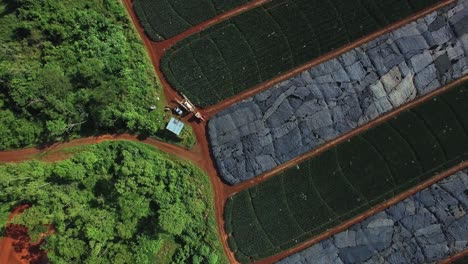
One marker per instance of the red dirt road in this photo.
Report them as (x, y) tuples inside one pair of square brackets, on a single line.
[(455, 257), (200, 154), (157, 49), (16, 248), (374, 210), (212, 110), (29, 153), (230, 190)]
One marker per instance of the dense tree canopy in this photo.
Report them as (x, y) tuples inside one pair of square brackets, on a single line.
[(116, 202), (70, 68)]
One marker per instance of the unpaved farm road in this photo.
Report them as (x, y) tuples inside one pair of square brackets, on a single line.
[(200, 154), (203, 157)]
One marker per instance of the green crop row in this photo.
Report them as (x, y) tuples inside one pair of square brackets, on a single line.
[(163, 19), (264, 42), (348, 179)]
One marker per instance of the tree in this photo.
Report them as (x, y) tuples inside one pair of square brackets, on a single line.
[(102, 213), (173, 219)]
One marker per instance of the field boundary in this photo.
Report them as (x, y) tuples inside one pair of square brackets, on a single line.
[(11, 156), (374, 210), (169, 42), (357, 131), (213, 109), (455, 257)]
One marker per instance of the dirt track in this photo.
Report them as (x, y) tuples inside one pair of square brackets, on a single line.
[(200, 154), (361, 129), (212, 110), (15, 247), (455, 257), (374, 210), (203, 159)]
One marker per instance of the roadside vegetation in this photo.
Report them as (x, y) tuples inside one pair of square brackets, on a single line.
[(115, 202), (74, 68)]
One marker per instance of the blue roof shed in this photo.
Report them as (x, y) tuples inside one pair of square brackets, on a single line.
[(175, 126)]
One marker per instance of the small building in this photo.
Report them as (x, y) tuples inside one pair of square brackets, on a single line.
[(175, 126)]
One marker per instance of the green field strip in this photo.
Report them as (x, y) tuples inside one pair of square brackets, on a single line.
[(163, 19), (343, 175), (459, 105), (401, 166), (204, 63), (286, 40), (386, 160), (418, 115), (191, 71), (285, 199), (246, 226), (242, 65), (445, 127), (212, 66), (370, 10), (272, 212), (411, 146), (340, 18), (286, 34), (425, 144), (299, 33), (457, 116), (272, 56), (380, 163), (187, 9), (334, 189), (298, 197), (178, 12)]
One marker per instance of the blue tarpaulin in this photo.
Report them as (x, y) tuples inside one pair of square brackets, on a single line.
[(175, 126)]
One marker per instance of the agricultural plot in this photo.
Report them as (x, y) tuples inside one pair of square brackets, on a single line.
[(162, 19), (424, 228), (333, 98), (350, 178), (264, 42)]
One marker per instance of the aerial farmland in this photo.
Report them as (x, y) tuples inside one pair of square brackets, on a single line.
[(242, 131)]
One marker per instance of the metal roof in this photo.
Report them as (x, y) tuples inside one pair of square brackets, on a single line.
[(175, 126)]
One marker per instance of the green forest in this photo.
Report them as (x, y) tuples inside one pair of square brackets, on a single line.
[(74, 68), (115, 202)]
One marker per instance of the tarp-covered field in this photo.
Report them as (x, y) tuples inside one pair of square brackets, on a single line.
[(427, 227), (335, 97), (350, 178), (264, 42), (162, 19)]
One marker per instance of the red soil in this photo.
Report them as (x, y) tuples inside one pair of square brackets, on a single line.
[(330, 144), (374, 210), (212, 110), (157, 49), (455, 257), (16, 247), (200, 154)]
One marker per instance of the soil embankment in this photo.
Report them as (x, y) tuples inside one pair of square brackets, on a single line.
[(16, 247)]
